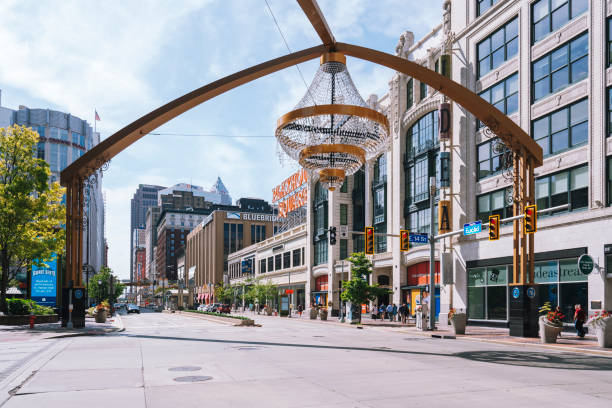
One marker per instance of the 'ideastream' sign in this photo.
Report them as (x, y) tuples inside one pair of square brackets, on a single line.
[(44, 283)]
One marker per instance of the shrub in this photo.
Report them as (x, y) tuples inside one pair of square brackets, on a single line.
[(219, 314), (25, 306)]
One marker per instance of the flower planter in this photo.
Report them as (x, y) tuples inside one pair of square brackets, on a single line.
[(548, 332), (459, 321), (269, 311), (603, 330), (323, 314), (101, 316), (313, 314)]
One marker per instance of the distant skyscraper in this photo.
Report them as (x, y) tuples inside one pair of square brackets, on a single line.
[(145, 197)]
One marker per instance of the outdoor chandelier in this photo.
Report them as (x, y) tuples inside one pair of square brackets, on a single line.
[(332, 130)]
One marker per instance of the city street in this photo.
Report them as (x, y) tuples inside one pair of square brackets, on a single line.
[(164, 360)]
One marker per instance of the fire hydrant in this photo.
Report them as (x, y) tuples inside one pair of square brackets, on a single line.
[(32, 318)]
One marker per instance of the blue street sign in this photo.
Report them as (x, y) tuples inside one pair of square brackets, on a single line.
[(418, 238), (472, 228), (531, 293)]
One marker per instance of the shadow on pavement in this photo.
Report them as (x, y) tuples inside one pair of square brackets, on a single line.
[(565, 361)]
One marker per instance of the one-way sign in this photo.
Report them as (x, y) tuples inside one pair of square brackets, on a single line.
[(472, 228)]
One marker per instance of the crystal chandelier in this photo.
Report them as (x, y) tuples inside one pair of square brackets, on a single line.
[(332, 130)]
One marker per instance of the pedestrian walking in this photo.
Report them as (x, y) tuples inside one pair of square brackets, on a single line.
[(579, 319), (395, 317), (381, 311), (390, 311), (402, 312), (300, 310), (374, 311)]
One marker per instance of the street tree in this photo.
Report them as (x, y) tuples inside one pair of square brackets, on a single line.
[(357, 290), (101, 291), (224, 293), (31, 209)]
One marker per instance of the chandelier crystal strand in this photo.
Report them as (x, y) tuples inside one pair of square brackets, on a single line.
[(332, 130)]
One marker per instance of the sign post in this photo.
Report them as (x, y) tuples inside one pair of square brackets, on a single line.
[(586, 264)]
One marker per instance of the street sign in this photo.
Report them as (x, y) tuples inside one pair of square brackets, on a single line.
[(531, 293), (516, 292), (288, 291), (585, 264), (472, 228), (419, 238), (344, 234)]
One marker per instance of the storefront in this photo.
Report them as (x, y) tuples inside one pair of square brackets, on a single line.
[(417, 282), (558, 281), (319, 295)]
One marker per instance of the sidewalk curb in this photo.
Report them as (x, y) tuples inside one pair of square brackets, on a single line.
[(119, 327)]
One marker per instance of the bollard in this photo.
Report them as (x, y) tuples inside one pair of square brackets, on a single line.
[(32, 318)]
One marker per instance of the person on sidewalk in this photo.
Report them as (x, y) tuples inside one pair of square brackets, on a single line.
[(300, 310), (381, 311), (579, 319), (395, 317), (374, 311), (390, 312), (402, 312)]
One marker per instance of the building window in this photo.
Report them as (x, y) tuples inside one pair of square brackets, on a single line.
[(380, 241), (609, 123), (53, 159), (380, 169), (609, 180), (422, 135), (422, 90), (278, 262), (550, 15), (344, 188), (40, 150), (569, 186), (63, 134), (262, 266), (320, 252), (484, 5), (343, 214), (487, 293), (75, 138), (359, 242), (41, 130), (419, 221), (343, 249), (421, 180), (498, 48), (490, 158), (297, 258), (409, 94), (558, 69), (270, 264), (493, 203), (609, 35), (562, 130), (379, 205), (233, 238), (503, 95), (287, 260)]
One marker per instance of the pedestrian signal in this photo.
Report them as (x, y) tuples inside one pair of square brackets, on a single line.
[(332, 235), (369, 240), (531, 219), (404, 240), (493, 227)]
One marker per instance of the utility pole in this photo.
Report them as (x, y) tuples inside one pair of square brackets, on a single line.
[(432, 255)]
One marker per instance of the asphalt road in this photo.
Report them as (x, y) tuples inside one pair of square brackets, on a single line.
[(169, 360)]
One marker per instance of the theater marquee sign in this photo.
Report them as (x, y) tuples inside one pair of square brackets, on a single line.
[(291, 194)]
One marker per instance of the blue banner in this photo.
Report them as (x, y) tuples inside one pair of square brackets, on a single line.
[(44, 283)]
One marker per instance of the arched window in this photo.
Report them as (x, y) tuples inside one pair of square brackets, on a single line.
[(422, 135), (383, 280)]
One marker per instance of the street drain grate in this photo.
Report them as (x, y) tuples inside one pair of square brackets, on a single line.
[(193, 378), (247, 348), (185, 368), (318, 336)]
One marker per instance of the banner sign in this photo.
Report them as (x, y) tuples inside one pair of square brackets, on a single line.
[(444, 216), (291, 194), (44, 283)]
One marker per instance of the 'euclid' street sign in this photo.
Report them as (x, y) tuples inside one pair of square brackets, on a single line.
[(585, 264), (418, 238), (472, 228)]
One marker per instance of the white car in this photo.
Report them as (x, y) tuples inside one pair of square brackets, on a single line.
[(202, 308)]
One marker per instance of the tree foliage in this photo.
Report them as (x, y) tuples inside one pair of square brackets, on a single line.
[(101, 291), (225, 293), (31, 209), (357, 290)]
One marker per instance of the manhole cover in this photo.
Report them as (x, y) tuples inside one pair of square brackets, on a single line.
[(318, 336), (185, 368), (247, 348), (193, 378)]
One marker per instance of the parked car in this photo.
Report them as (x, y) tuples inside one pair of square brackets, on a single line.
[(215, 307), (202, 308), (224, 308), (132, 308), (120, 306)]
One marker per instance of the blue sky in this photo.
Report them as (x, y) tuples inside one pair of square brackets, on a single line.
[(127, 58)]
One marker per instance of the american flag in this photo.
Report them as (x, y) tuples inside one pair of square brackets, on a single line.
[(97, 116)]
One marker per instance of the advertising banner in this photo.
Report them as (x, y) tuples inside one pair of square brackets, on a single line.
[(44, 283)]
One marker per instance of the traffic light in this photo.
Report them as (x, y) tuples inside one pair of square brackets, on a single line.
[(493, 227), (404, 240), (369, 240), (531, 219), (332, 235)]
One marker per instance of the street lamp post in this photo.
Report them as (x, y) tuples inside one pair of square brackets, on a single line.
[(432, 254)]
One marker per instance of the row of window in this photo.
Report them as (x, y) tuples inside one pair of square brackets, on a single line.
[(258, 233), (233, 238), (286, 260)]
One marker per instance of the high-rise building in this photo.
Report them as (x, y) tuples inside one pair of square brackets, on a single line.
[(144, 197), (63, 139)]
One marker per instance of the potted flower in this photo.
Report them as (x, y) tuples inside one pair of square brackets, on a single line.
[(323, 313), (268, 310), (550, 322), (602, 323), (458, 320), (314, 312), (101, 310)]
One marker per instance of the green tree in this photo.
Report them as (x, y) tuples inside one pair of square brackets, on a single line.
[(224, 293), (101, 291), (358, 290), (31, 213), (262, 293)]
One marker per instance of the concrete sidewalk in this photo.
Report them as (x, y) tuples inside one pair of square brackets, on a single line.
[(55, 330)]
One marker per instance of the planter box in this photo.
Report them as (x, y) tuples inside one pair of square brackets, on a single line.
[(548, 332), (459, 321), (603, 330), (313, 314), (25, 320)]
